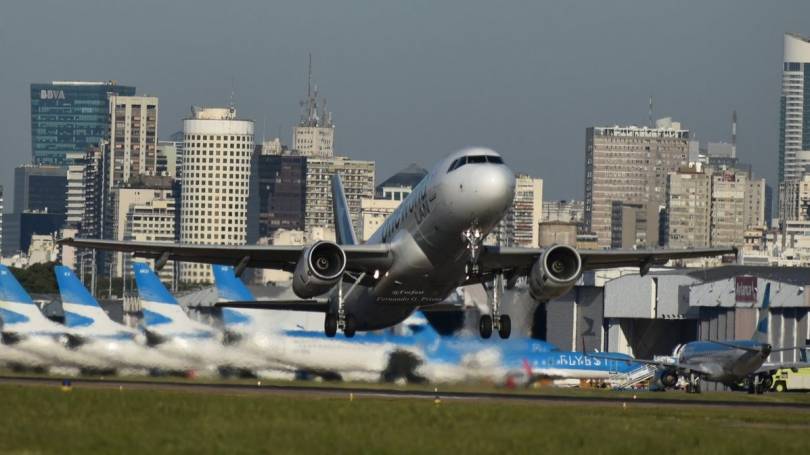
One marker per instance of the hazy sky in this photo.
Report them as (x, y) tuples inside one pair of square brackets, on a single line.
[(411, 81)]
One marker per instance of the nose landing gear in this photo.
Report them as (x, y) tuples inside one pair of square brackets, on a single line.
[(473, 238)]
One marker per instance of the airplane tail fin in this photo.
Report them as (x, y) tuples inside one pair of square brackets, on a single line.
[(161, 311), (761, 333), (150, 288), (82, 309), (17, 310), (231, 289), (344, 231)]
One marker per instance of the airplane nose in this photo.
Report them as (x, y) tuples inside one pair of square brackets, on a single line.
[(481, 194)]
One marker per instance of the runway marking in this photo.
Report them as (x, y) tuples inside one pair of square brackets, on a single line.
[(397, 393)]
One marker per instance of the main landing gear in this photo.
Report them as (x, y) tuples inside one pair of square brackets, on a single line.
[(693, 385), (342, 320), (502, 323)]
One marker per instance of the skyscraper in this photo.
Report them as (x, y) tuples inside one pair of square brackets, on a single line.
[(69, 116), (794, 121), (358, 183), (794, 118), (216, 176), (133, 137), (629, 165)]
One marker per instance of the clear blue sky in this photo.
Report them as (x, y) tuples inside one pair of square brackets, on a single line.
[(410, 81)]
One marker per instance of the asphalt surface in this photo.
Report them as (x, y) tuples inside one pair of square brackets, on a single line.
[(644, 398)]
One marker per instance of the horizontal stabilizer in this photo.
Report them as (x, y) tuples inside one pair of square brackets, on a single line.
[(312, 306)]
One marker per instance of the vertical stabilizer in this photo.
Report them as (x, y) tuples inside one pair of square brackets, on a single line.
[(344, 231), (761, 333), (18, 311), (231, 289), (161, 311), (82, 310)]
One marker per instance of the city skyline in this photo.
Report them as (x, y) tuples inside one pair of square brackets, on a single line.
[(527, 83)]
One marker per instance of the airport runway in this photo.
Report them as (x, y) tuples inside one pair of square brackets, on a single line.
[(643, 398)]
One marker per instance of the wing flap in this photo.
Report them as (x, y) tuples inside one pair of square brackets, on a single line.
[(312, 306)]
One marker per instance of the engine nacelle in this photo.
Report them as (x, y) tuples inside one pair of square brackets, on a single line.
[(669, 378), (554, 273), (319, 269)]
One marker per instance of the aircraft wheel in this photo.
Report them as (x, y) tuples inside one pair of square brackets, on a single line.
[(351, 326), (780, 387), (485, 326), (330, 325), (506, 326)]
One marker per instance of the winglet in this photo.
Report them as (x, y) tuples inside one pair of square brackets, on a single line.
[(761, 333), (344, 231)]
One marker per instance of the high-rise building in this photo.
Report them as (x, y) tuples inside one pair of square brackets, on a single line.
[(69, 116), (634, 225), (794, 200), (629, 165), (147, 195), (315, 133), (282, 192), (399, 185), (152, 220), (794, 120), (688, 212), (373, 213), (166, 159), (738, 204), (133, 137), (566, 211), (520, 225), (358, 183), (75, 200), (216, 177), (39, 188)]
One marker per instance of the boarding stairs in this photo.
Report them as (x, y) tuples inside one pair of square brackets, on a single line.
[(638, 375)]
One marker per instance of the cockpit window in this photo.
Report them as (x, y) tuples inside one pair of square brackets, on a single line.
[(475, 159)]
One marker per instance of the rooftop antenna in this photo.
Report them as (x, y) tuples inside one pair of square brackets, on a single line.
[(309, 76), (231, 104), (651, 113), (734, 133)]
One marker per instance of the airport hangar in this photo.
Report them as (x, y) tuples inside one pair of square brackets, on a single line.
[(651, 315)]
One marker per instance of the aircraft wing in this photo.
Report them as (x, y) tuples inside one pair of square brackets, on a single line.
[(495, 259), (313, 306), (359, 258)]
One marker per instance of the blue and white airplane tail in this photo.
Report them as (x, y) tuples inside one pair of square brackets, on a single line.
[(761, 333), (162, 314), (231, 289), (83, 314), (18, 311)]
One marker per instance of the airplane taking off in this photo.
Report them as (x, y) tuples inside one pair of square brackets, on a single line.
[(729, 362), (100, 336), (430, 245)]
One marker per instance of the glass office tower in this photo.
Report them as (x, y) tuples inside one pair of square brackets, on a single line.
[(69, 116)]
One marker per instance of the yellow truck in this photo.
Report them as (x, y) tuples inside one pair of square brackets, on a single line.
[(786, 379)]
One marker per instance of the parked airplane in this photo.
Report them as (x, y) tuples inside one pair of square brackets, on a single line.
[(422, 352), (431, 244), (98, 335), (729, 362), (170, 330), (26, 330)]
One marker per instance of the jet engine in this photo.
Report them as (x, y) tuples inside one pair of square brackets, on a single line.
[(554, 273), (319, 269), (669, 378)]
